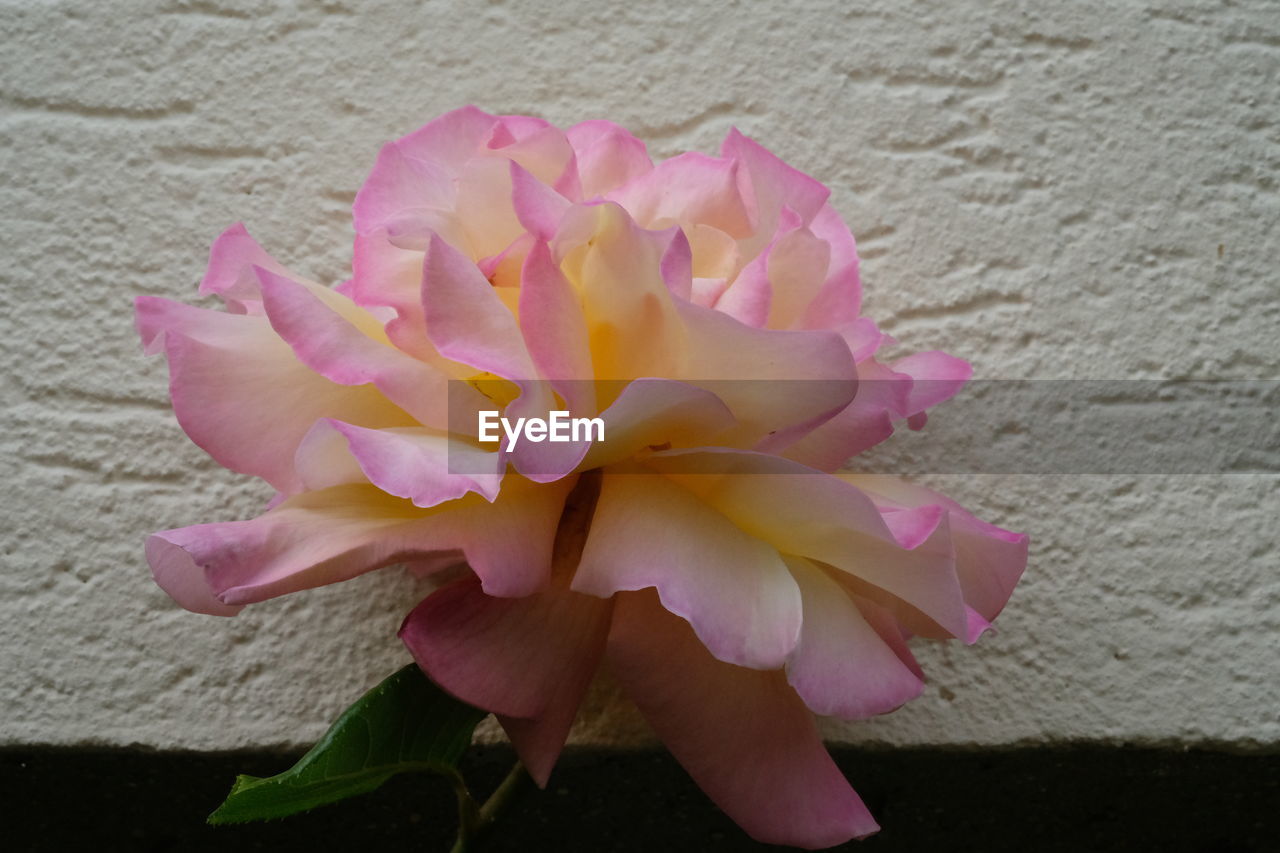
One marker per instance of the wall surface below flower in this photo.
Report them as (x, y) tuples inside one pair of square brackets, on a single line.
[(1084, 192)]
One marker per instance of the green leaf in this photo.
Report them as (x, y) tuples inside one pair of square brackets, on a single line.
[(404, 724)]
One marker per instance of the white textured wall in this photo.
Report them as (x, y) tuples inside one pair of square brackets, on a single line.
[(1039, 187)]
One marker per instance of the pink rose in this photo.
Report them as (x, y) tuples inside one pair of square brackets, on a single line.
[(706, 310)]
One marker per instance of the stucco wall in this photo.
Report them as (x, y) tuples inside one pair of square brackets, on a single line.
[(1052, 190)]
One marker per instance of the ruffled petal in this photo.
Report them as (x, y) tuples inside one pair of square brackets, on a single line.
[(889, 629), (544, 461), (989, 559), (842, 667), (310, 540), (864, 338), (451, 139), (797, 263), (777, 286), (484, 206), (466, 320), (687, 189), (334, 534), (743, 735), (427, 468), (749, 297), (840, 299), (658, 413), (399, 188), (779, 385), (346, 344), (555, 331), (935, 377), (243, 396), (527, 659), (230, 273), (774, 184), (541, 149), (504, 655), (733, 588), (705, 291), (418, 170), (538, 207), (469, 323), (177, 574), (677, 265), (608, 156), (388, 274), (864, 423), (826, 518), (616, 268)]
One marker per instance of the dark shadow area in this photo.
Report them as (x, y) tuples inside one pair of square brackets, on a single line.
[(1080, 798)]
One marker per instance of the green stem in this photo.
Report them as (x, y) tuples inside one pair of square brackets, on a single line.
[(468, 815), (472, 822), (503, 794)]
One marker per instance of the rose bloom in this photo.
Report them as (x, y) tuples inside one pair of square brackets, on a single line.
[(707, 310)]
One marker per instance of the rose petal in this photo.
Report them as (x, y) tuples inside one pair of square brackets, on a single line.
[(840, 298), (935, 376), (677, 265), (775, 185), (388, 274), (399, 187), (607, 155), (242, 395), (776, 287), (466, 320), (176, 573), (230, 272), (658, 412), (749, 297), (528, 659), (842, 667), (504, 655), (542, 461), (687, 189), (715, 254), (864, 423), (889, 629), (706, 291), (541, 149), (555, 332), (989, 559), (538, 207), (734, 589), (451, 139), (331, 535), (418, 170), (864, 338), (346, 344), (426, 467), (807, 513), (779, 384), (632, 323), (743, 735), (484, 207), (797, 263)]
